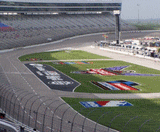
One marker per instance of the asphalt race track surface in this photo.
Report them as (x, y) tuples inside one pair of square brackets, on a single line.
[(26, 85)]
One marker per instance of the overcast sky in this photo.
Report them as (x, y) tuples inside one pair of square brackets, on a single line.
[(147, 9)]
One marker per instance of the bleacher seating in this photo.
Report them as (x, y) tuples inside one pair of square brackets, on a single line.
[(31, 30)]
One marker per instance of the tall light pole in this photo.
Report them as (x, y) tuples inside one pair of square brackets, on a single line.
[(138, 12), (117, 25)]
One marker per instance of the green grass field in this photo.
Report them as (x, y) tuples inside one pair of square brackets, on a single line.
[(147, 84), (117, 117), (62, 55)]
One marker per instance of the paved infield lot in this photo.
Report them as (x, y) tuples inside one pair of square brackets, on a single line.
[(19, 77)]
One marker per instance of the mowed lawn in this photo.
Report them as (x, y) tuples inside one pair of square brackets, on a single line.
[(146, 84), (144, 115), (62, 55)]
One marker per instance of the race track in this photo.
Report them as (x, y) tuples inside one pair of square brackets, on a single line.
[(35, 104)]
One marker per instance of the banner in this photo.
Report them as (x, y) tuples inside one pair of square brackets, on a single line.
[(92, 104), (116, 85), (111, 71)]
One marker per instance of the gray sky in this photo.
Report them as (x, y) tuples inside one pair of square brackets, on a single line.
[(147, 9)]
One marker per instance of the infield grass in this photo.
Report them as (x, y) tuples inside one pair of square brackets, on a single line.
[(147, 84), (62, 55), (126, 119)]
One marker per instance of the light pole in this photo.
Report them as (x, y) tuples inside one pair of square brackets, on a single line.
[(117, 25), (138, 12)]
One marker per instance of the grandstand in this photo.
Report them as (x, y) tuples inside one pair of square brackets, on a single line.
[(33, 22)]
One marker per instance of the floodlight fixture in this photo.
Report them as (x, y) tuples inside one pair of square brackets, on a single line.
[(116, 12)]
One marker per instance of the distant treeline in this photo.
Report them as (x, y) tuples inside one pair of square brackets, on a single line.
[(147, 26)]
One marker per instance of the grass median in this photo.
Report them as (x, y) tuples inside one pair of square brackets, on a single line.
[(142, 116), (147, 84), (62, 55)]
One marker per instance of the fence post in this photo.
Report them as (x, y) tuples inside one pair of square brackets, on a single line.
[(6, 99), (45, 114), (11, 101), (143, 124), (98, 120), (19, 105), (15, 102), (62, 118), (128, 122), (86, 117), (6, 106), (53, 115), (31, 108), (37, 112), (25, 106), (5, 91), (74, 118), (5, 103), (113, 120)]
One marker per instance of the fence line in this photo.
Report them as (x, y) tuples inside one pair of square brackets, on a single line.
[(26, 110)]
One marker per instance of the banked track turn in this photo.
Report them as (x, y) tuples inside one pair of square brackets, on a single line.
[(31, 102)]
